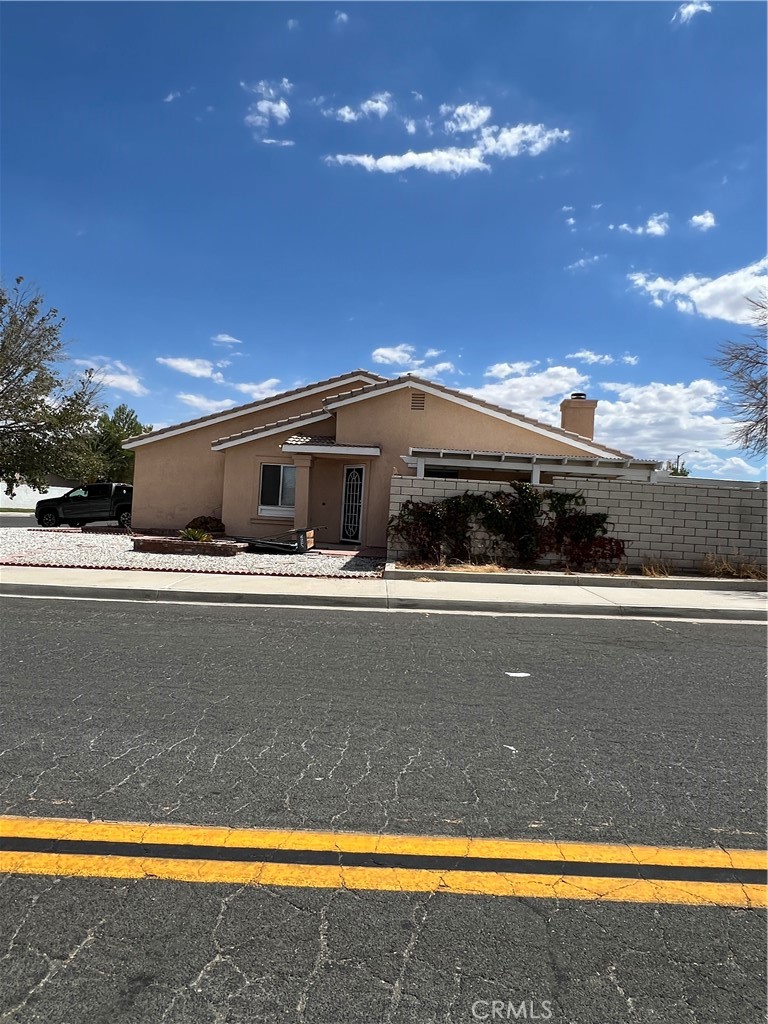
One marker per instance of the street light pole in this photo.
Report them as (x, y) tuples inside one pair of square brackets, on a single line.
[(691, 451)]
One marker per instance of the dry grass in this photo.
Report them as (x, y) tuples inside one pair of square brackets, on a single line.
[(722, 567), (656, 567)]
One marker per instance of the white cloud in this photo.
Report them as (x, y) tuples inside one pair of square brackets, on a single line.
[(347, 114), (720, 298), (225, 339), (171, 97), (436, 161), (262, 111), (703, 221), (654, 420), (686, 11), (533, 394), (398, 355), (410, 125), (658, 420), (503, 370), (466, 118), (596, 206), (262, 389), (278, 142), (567, 209), (404, 358), (657, 224), (435, 371), (585, 355), (417, 96), (192, 367), (585, 261), (340, 18), (114, 374), (630, 360), (380, 104), (492, 141), (271, 107), (570, 221), (206, 405), (293, 24)]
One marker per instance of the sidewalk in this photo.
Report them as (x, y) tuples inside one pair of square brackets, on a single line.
[(381, 594)]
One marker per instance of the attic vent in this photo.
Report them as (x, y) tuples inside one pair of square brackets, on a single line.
[(417, 400)]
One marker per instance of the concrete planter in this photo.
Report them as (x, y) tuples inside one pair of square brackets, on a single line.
[(177, 546)]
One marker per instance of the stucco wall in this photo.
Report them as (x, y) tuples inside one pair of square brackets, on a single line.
[(388, 420), (178, 478), (677, 522)]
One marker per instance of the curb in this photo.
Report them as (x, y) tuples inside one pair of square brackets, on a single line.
[(152, 595), (542, 578), (184, 596)]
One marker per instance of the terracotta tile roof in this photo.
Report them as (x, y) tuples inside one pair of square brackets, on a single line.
[(324, 442), (289, 421), (386, 385), (314, 439), (237, 410)]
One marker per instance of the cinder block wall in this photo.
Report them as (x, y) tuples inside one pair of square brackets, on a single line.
[(678, 522)]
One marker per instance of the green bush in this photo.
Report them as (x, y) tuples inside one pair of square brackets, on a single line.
[(190, 533), (528, 523)]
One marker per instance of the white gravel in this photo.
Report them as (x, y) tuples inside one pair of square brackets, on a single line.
[(115, 551)]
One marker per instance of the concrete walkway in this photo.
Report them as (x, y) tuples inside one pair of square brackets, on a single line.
[(382, 594)]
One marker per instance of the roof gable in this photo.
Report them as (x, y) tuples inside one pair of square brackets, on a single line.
[(584, 444), (364, 377)]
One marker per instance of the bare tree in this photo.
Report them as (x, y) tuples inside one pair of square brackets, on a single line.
[(744, 365)]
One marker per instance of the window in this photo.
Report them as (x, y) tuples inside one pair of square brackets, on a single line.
[(99, 490), (277, 491), (441, 473)]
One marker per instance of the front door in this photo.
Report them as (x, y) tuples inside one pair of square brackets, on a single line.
[(352, 504)]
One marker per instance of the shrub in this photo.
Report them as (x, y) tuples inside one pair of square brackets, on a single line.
[(419, 525), (209, 523), (190, 533), (722, 567), (515, 518), (525, 521)]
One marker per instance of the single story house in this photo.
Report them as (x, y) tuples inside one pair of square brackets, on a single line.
[(324, 455)]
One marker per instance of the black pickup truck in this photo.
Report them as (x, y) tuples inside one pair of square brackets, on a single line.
[(87, 504)]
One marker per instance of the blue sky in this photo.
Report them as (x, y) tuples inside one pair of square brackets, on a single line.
[(517, 199)]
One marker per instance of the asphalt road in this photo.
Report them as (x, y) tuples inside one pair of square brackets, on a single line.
[(404, 723), (19, 520)]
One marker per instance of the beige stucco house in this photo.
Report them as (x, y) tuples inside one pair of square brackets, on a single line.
[(324, 455)]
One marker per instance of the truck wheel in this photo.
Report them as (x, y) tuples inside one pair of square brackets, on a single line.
[(48, 519), (124, 518)]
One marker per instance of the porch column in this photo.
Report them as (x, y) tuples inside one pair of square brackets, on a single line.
[(301, 511)]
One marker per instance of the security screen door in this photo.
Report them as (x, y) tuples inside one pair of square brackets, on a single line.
[(352, 503)]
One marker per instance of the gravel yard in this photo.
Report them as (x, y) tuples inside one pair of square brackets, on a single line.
[(115, 551)]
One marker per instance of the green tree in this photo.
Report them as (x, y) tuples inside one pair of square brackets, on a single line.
[(111, 431), (677, 470), (744, 365), (46, 419)]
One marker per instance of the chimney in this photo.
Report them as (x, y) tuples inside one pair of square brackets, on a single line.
[(577, 414)]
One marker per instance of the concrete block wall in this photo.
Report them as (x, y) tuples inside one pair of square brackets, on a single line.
[(676, 522), (680, 522)]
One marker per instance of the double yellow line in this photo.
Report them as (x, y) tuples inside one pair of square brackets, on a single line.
[(356, 860)]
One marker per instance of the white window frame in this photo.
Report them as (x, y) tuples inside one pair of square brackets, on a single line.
[(280, 511)]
